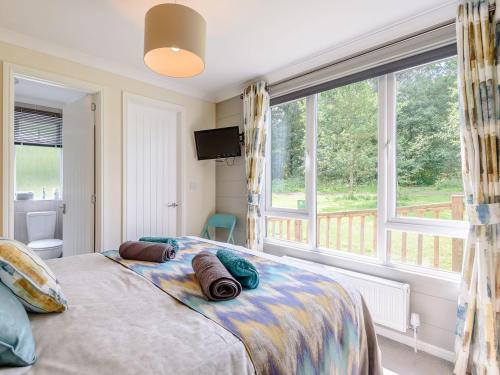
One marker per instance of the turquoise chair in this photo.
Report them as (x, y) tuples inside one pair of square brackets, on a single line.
[(225, 221)]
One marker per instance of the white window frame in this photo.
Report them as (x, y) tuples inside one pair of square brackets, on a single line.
[(387, 220), (447, 228)]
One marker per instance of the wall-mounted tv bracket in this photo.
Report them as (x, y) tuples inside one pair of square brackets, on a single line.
[(242, 138), (229, 161)]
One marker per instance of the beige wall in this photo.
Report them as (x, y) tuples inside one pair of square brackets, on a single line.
[(199, 196), (231, 189)]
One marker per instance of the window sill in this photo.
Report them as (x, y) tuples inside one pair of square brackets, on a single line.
[(441, 283)]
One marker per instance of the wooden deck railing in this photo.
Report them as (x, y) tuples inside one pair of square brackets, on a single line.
[(356, 231)]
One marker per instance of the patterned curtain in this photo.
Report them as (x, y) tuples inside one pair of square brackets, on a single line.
[(256, 115), (477, 340)]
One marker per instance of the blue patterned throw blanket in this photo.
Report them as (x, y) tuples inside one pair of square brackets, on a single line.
[(295, 322)]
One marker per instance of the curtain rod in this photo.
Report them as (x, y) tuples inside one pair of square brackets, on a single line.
[(371, 50)]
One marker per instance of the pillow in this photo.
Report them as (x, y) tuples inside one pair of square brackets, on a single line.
[(29, 278), (17, 346)]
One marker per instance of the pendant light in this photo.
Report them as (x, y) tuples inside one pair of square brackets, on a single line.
[(174, 40)]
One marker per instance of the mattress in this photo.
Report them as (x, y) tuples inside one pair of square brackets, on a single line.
[(119, 323)]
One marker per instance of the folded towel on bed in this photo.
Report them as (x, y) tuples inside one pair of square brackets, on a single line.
[(147, 251), (240, 268), (169, 240), (216, 282)]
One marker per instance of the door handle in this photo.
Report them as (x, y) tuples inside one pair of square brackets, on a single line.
[(63, 207), (175, 204)]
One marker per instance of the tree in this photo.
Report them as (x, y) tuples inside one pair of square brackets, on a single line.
[(428, 145), (347, 135), (288, 141)]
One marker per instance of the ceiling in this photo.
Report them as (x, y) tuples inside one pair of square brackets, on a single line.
[(41, 93), (246, 39)]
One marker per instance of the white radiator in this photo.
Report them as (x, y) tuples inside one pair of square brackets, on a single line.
[(387, 300)]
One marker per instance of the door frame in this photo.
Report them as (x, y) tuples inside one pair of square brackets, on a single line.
[(8, 178), (180, 162)]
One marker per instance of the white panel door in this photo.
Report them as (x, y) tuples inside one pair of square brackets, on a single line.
[(150, 153), (78, 177)]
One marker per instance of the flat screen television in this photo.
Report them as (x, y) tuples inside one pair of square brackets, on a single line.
[(218, 143)]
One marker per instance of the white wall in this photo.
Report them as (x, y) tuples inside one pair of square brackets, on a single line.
[(434, 299), (200, 175)]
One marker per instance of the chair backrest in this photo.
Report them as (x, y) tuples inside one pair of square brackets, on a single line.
[(225, 221)]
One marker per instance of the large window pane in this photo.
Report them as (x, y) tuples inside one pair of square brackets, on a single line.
[(38, 170), (443, 253), (428, 160), (288, 133), (347, 168)]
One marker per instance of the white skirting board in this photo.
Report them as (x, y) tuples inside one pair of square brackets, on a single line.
[(434, 350)]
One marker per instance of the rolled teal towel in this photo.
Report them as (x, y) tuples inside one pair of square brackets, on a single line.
[(241, 269), (167, 240)]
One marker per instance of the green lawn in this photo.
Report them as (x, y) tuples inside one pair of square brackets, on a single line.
[(365, 199)]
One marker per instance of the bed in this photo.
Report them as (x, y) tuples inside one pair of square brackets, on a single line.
[(120, 323)]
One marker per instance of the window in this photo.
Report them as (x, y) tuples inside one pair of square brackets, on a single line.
[(38, 171), (288, 129), (346, 164), (429, 177), (440, 252), (287, 229), (372, 169), (38, 152)]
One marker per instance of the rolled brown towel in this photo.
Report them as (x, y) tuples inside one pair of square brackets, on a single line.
[(147, 251), (215, 280)]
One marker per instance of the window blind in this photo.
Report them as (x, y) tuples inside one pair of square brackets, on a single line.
[(35, 127), (423, 47)]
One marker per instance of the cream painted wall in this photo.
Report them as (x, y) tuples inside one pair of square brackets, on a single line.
[(199, 195)]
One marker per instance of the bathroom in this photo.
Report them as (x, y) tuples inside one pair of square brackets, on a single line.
[(53, 205)]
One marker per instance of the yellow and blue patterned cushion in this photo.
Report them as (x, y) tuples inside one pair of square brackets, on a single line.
[(29, 278)]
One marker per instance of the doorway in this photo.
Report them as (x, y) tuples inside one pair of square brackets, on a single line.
[(51, 155)]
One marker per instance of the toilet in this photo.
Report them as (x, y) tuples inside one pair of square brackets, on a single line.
[(41, 232)]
